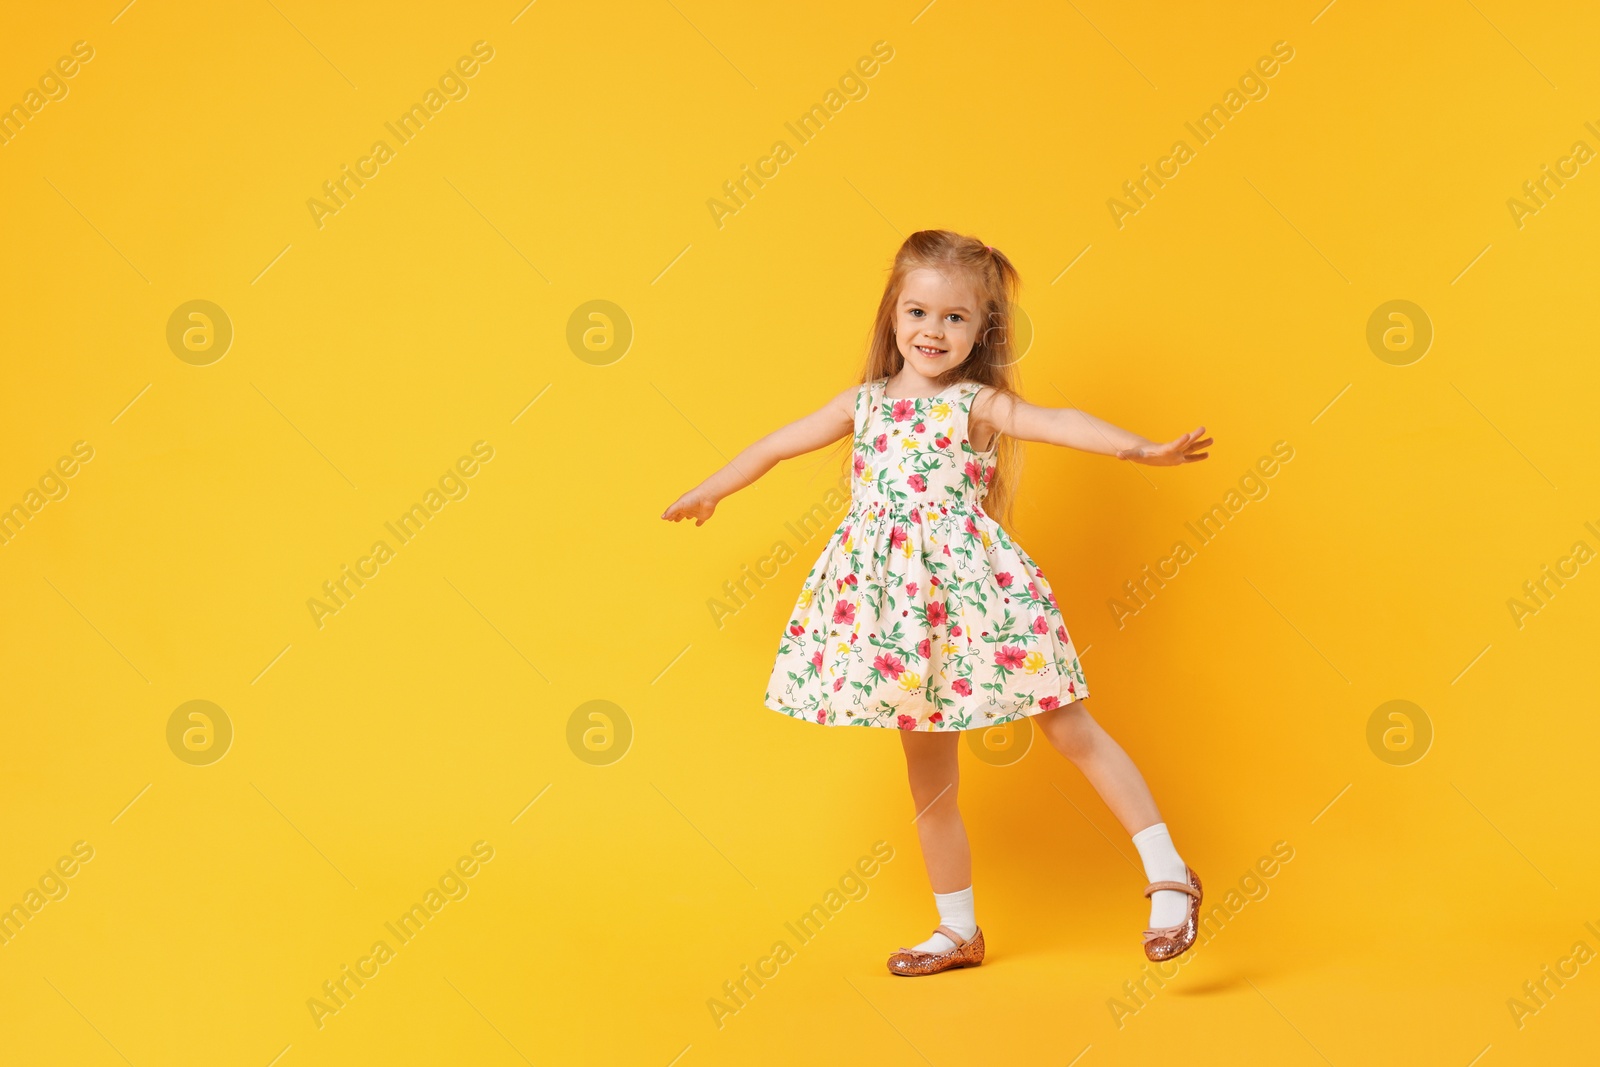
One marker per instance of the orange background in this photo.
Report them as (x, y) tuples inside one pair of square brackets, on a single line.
[(435, 709)]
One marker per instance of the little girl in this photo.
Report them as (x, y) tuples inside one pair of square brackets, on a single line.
[(922, 614)]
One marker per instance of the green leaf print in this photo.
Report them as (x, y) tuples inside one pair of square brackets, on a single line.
[(1005, 634), (887, 487)]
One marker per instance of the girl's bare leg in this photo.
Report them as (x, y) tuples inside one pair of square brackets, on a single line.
[(931, 767), (1075, 734)]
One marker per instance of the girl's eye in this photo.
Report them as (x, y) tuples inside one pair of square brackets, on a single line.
[(955, 316), (916, 311)]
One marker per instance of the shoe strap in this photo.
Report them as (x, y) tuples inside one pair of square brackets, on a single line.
[(946, 931), (1181, 887)]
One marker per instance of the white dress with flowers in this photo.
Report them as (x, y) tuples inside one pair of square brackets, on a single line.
[(921, 612)]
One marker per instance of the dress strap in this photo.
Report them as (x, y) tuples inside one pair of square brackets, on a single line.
[(969, 392)]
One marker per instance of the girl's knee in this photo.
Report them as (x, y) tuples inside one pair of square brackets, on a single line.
[(1071, 729)]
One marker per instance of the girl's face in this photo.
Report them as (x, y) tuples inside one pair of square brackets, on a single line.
[(936, 321)]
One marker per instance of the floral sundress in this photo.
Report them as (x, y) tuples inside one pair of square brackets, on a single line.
[(922, 613)]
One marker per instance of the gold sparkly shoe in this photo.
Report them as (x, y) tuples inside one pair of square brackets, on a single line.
[(1165, 942), (968, 953)]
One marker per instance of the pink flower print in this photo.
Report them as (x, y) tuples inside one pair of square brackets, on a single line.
[(937, 613), (1033, 591), (925, 648), (1040, 625), (890, 664), (1061, 633), (850, 579), (1004, 578), (897, 536), (1053, 603), (942, 441), (844, 612), (955, 631), (882, 442), (917, 483), (973, 471), (860, 464), (911, 589), (937, 716), (816, 659), (971, 527), (947, 549), (1046, 703), (822, 717), (906, 722), (838, 684), (1010, 656), (795, 629), (916, 515), (988, 474), (903, 410), (962, 686), (1070, 690)]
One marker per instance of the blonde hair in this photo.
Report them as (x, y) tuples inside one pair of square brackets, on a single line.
[(992, 359)]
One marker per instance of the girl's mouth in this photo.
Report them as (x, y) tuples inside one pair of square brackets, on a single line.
[(931, 353)]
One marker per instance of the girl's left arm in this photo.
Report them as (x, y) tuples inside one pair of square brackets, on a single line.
[(1072, 428)]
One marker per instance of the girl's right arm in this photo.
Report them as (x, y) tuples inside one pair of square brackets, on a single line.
[(822, 427)]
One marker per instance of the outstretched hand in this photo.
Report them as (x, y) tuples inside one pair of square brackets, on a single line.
[(1181, 450), (694, 504)]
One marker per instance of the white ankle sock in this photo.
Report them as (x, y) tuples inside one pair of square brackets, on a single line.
[(956, 912), (1163, 864)]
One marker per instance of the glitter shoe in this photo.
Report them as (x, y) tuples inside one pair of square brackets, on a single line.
[(1165, 942), (968, 953)]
